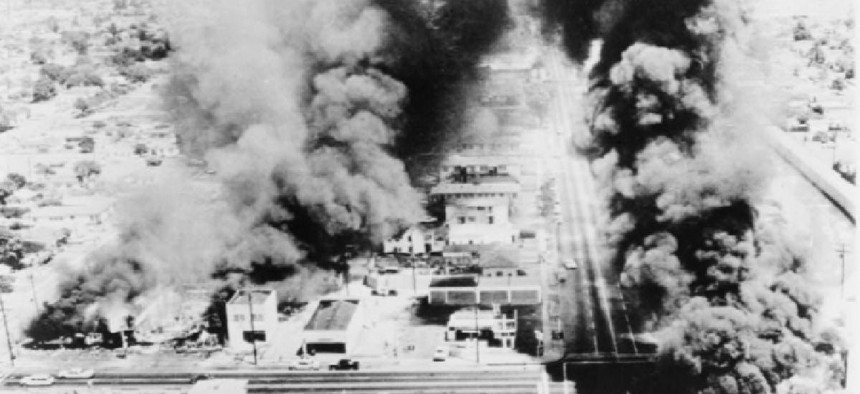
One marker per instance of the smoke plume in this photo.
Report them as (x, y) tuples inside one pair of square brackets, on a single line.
[(682, 176), (305, 110)]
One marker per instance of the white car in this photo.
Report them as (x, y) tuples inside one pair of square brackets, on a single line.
[(570, 264), (37, 380), (441, 353), (76, 373), (304, 364)]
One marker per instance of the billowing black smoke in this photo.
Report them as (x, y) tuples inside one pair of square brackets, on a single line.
[(305, 110), (682, 176)]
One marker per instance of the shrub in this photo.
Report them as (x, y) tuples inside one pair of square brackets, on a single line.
[(86, 77), (79, 40), (87, 145), (136, 73), (82, 106), (56, 72), (44, 90), (86, 169), (38, 57), (17, 179)]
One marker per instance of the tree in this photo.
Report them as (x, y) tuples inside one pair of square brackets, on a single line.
[(86, 169), (11, 251), (6, 189), (83, 108), (801, 33), (17, 179), (87, 145), (44, 90), (140, 149)]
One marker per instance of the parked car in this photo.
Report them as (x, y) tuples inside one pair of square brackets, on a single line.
[(570, 264), (441, 353), (304, 364), (382, 291), (76, 373), (344, 364), (37, 380)]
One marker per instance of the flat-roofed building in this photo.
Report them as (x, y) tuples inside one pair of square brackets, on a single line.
[(252, 314), (483, 189), (334, 326), (422, 238), (460, 168), (479, 221), (490, 325), (476, 290)]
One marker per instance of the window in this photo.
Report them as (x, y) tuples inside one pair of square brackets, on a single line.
[(471, 219), (257, 317), (461, 220), (238, 317), (490, 220), (255, 336)]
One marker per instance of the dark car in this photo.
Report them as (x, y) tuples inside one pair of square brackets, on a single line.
[(344, 364)]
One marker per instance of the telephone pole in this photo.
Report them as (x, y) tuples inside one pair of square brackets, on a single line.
[(842, 250), (253, 332), (6, 329)]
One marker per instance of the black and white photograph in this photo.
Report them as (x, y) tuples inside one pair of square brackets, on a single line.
[(428, 197)]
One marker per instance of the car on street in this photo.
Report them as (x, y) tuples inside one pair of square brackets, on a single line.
[(37, 380), (344, 364), (441, 353), (304, 364), (570, 264), (76, 373)]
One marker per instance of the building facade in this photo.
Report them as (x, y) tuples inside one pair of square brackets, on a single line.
[(252, 315)]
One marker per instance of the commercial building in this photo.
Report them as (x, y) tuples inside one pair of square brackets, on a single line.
[(505, 187), (252, 315), (423, 238), (460, 168), (74, 214), (479, 221), (476, 290), (490, 325), (334, 326)]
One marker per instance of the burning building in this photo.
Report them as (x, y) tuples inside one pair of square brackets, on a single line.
[(304, 123)]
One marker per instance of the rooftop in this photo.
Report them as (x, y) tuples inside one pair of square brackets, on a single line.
[(258, 296), (454, 281), (473, 188), (489, 160), (484, 282), (332, 315)]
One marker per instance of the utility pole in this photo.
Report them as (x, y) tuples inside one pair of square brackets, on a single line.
[(414, 284), (33, 286), (253, 332), (842, 250), (477, 334), (6, 329)]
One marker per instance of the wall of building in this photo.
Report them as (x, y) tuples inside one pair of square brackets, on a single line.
[(239, 320)]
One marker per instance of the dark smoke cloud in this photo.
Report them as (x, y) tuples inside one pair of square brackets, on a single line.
[(305, 109), (682, 177)]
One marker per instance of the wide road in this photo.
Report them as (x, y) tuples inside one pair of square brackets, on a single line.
[(593, 310), (260, 381)]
